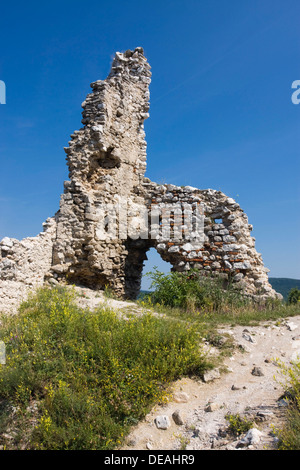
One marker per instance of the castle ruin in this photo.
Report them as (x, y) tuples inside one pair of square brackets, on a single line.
[(110, 214)]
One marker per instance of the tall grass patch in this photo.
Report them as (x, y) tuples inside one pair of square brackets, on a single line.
[(90, 374), (209, 300), (193, 291), (289, 434)]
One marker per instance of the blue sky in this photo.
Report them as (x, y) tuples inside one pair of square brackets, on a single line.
[(221, 114)]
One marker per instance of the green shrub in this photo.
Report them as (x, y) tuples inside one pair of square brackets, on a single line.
[(289, 435), (294, 296), (237, 424), (92, 374), (193, 291)]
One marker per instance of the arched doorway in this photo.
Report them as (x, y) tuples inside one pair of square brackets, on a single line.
[(153, 260), (141, 258)]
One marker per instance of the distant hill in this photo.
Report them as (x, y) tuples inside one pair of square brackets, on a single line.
[(143, 293), (284, 285)]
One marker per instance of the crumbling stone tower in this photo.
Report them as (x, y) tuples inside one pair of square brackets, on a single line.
[(107, 163)]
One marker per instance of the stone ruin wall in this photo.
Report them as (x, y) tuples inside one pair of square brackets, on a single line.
[(107, 164), (23, 265)]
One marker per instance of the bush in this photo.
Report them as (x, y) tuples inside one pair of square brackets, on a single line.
[(294, 296), (237, 424), (193, 291), (289, 435), (91, 374)]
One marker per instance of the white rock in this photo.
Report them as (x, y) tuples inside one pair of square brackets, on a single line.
[(244, 265), (211, 375), (162, 422), (98, 128), (291, 326), (181, 397), (212, 407), (252, 438), (231, 201), (6, 242), (248, 337), (173, 249), (187, 247), (161, 246)]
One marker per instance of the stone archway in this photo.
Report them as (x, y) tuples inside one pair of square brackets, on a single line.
[(134, 264), (107, 162)]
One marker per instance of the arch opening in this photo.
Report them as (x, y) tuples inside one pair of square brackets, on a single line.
[(153, 260)]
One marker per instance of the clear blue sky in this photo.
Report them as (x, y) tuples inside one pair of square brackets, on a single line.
[(221, 113)]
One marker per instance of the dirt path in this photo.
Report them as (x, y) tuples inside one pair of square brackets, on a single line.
[(202, 406), (249, 384)]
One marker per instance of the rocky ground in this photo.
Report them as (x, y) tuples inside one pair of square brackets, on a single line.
[(251, 386), (195, 416)]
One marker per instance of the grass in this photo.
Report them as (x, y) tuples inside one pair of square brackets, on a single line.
[(89, 376), (238, 425), (78, 380), (205, 301), (289, 435), (207, 305), (250, 315), (193, 292), (109, 293), (213, 309)]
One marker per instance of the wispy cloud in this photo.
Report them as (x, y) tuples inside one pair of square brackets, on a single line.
[(25, 123)]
